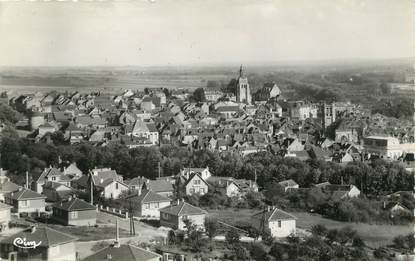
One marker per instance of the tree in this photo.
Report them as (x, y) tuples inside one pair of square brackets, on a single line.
[(319, 230), (232, 237), (241, 253), (211, 227), (171, 237), (199, 95), (277, 250), (8, 114), (258, 251)]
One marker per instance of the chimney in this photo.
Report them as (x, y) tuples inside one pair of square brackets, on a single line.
[(178, 202), (384, 204), (268, 208)]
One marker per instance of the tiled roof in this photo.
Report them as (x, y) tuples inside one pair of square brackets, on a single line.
[(148, 196), (192, 176), (49, 172), (74, 204), (275, 214), (288, 182), (8, 186), (159, 185), (183, 209), (123, 253), (46, 236), (25, 194)]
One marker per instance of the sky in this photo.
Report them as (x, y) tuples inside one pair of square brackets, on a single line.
[(192, 32)]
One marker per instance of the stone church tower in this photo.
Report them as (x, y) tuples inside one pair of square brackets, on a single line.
[(243, 93)]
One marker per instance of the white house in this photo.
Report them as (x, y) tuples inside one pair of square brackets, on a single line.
[(279, 222), (148, 203)]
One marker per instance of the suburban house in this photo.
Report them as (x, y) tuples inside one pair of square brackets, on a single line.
[(123, 252), (288, 185), (5, 216), (26, 201), (75, 212), (6, 186), (144, 130), (246, 185), (56, 191), (204, 172), (53, 245), (161, 187), (396, 208), (173, 216), (195, 184), (225, 186), (110, 188), (106, 182), (51, 175), (341, 191), (279, 222), (72, 171), (148, 203), (136, 183)]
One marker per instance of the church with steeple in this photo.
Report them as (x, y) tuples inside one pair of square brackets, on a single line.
[(243, 93)]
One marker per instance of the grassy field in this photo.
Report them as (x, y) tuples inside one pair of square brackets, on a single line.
[(90, 233), (374, 235)]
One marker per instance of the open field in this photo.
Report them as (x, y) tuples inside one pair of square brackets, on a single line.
[(90, 233), (373, 235)]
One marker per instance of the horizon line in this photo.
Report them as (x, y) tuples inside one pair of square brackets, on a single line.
[(231, 64)]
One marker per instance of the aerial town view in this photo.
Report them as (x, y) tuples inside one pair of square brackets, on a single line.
[(207, 130)]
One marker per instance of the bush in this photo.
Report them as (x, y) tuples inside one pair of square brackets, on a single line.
[(258, 251), (319, 230), (404, 242)]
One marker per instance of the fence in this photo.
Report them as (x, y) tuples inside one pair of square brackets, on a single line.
[(113, 211)]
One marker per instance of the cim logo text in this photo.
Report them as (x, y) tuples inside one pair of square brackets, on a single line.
[(23, 243)]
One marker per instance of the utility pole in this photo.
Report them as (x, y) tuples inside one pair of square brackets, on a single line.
[(27, 179), (92, 190), (131, 212), (159, 169)]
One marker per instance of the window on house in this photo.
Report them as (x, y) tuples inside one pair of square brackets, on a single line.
[(192, 190), (74, 214), (279, 223), (53, 178), (156, 205), (147, 206), (196, 182), (202, 190), (116, 185), (24, 203)]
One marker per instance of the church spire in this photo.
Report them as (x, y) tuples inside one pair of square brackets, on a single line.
[(241, 71)]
